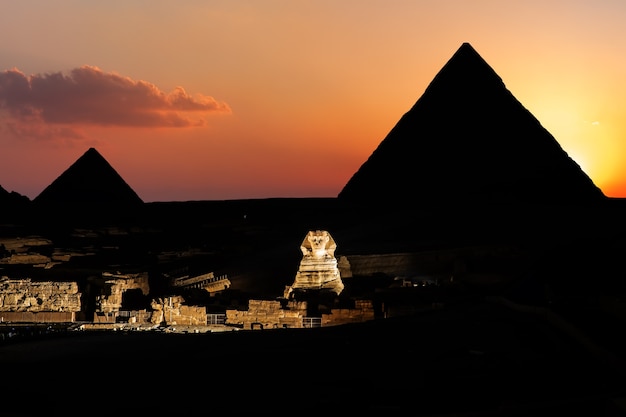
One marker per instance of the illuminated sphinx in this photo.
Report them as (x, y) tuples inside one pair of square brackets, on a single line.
[(318, 268)]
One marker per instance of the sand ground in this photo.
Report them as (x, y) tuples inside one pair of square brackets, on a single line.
[(474, 359)]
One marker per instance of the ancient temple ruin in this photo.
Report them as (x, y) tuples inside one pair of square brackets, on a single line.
[(318, 269), (23, 300)]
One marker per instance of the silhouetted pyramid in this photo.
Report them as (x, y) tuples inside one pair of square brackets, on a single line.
[(468, 139), (12, 203), (89, 180), (12, 197)]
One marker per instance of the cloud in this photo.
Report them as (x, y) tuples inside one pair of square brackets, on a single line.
[(89, 96), (40, 131)]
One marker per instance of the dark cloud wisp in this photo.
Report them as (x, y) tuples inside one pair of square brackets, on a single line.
[(89, 96)]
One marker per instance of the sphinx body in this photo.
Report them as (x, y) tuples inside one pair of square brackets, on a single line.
[(318, 267)]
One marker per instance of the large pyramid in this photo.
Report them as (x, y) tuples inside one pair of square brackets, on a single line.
[(467, 138), (90, 180)]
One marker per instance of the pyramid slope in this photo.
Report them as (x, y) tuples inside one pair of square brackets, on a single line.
[(468, 138), (10, 201), (89, 180), (5, 195)]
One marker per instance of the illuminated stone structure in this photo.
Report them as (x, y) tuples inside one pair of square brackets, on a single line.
[(38, 296), (208, 282), (115, 285), (23, 300), (318, 267), (173, 311)]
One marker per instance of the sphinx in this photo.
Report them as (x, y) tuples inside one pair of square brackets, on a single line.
[(318, 269)]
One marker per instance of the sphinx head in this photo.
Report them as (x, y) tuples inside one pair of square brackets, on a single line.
[(319, 244)]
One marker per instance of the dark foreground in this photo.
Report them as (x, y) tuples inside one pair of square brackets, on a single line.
[(472, 359)]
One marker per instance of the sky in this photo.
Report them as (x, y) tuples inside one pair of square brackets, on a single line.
[(219, 100)]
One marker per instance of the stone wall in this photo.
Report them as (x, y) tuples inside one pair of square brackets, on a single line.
[(33, 296), (447, 262), (343, 264), (23, 251), (363, 311), (110, 299), (392, 264), (23, 244), (264, 314), (268, 314), (172, 311), (38, 317), (26, 259)]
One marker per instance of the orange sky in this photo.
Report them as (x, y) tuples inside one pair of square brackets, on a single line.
[(211, 100)]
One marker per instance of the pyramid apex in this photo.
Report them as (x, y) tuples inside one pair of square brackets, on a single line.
[(467, 138), (90, 179), (466, 46)]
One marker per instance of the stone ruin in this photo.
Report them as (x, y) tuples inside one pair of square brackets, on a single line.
[(114, 287), (268, 314), (319, 273), (173, 311), (272, 314), (318, 269), (23, 300), (208, 282), (23, 251)]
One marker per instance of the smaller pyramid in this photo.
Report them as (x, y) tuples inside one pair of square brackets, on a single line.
[(90, 180), (13, 203), (12, 197)]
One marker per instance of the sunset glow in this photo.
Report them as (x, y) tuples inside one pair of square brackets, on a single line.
[(216, 100)]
